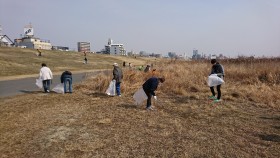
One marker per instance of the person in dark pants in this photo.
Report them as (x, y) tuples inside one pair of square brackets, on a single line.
[(118, 76), (147, 69), (218, 69), (39, 52), (85, 60), (124, 64), (149, 87), (46, 76), (65, 77)]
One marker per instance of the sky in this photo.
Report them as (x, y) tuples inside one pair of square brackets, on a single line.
[(229, 27)]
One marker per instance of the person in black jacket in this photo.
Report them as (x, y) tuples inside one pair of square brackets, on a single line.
[(218, 69), (149, 87), (66, 76)]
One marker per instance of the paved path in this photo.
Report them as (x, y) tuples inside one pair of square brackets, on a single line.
[(27, 85)]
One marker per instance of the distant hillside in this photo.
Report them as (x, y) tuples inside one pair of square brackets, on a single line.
[(22, 61)]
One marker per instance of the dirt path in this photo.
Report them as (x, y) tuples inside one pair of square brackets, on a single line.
[(8, 78)]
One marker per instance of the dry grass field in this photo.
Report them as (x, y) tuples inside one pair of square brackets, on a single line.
[(185, 123)]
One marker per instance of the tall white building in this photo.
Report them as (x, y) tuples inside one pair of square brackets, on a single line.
[(114, 49)]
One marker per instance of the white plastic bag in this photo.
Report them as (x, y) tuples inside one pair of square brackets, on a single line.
[(59, 88), (139, 96), (112, 88), (39, 83), (214, 80)]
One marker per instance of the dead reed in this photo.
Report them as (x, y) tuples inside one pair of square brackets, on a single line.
[(255, 81)]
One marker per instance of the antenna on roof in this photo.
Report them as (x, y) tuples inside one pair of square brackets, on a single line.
[(110, 41)]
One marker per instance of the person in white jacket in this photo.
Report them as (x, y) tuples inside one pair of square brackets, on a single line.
[(46, 76)]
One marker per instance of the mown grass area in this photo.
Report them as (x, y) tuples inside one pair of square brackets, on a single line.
[(94, 125), (18, 61), (88, 123)]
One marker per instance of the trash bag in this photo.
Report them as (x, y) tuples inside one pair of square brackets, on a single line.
[(214, 80), (139, 96), (39, 83), (112, 88), (59, 88)]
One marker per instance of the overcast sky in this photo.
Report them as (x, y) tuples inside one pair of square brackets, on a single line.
[(231, 27)]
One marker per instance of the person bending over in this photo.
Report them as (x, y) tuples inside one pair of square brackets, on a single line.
[(149, 87)]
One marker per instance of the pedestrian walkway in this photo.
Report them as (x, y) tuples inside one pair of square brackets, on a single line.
[(27, 85)]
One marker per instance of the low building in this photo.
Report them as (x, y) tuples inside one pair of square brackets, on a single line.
[(158, 55), (115, 49), (5, 41), (33, 43), (132, 53), (60, 48), (29, 41), (83, 47)]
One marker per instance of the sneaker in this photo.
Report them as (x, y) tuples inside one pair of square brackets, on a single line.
[(212, 97), (48, 91), (217, 100), (119, 95), (150, 108)]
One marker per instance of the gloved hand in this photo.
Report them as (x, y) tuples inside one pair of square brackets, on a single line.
[(155, 97)]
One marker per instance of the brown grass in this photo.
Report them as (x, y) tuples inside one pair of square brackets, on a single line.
[(88, 123)]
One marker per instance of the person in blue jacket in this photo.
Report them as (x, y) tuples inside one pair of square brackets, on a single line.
[(218, 69), (149, 87), (66, 76)]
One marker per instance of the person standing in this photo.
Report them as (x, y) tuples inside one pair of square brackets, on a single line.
[(65, 77), (218, 69), (149, 88), (147, 69), (39, 52), (118, 76), (46, 76), (85, 60), (124, 64)]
